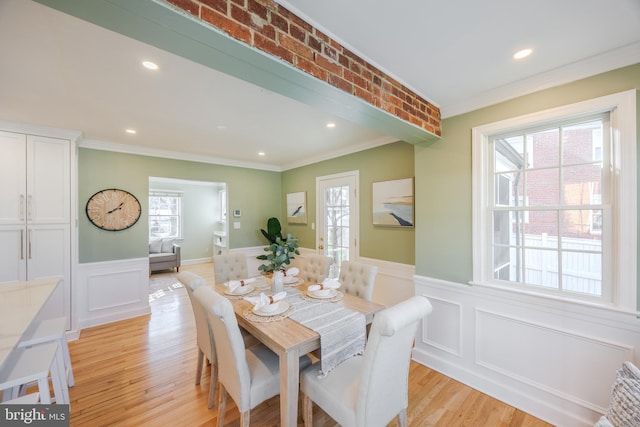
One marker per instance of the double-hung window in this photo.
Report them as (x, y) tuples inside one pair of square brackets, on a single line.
[(165, 214), (555, 202)]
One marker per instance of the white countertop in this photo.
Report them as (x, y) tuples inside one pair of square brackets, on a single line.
[(20, 303)]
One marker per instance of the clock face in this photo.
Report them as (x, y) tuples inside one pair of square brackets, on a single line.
[(113, 209)]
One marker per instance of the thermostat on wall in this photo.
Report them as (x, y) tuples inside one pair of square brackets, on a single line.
[(237, 213)]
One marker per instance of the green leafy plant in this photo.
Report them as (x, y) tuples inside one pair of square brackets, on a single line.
[(274, 230), (281, 250)]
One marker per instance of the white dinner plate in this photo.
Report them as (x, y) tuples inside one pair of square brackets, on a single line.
[(322, 295), (273, 309), (242, 290), (290, 279)]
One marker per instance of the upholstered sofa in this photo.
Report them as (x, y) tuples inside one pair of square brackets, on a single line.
[(164, 254), (624, 405)]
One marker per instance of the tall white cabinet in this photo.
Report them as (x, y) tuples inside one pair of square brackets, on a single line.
[(35, 212)]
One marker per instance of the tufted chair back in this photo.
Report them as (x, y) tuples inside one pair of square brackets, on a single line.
[(230, 267), (315, 268), (358, 279)]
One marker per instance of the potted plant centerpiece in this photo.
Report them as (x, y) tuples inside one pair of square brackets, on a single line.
[(281, 251)]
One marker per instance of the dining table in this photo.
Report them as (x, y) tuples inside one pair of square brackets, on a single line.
[(290, 339), (20, 304)]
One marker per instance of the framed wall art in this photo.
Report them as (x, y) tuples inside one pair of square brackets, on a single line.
[(297, 208), (393, 204)]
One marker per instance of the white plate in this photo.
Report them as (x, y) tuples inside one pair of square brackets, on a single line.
[(290, 279), (240, 291), (273, 309), (322, 294)]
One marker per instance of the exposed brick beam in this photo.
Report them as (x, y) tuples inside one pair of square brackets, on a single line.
[(271, 28)]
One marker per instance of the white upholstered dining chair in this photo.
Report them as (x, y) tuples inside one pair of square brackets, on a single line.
[(314, 268), (250, 375), (206, 346), (358, 279), (231, 266), (372, 389)]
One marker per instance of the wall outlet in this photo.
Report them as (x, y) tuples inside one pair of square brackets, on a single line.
[(236, 225)]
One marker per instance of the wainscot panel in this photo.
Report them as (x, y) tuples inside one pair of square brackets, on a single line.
[(111, 291), (552, 358)]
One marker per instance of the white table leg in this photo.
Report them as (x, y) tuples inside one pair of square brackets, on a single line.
[(289, 379)]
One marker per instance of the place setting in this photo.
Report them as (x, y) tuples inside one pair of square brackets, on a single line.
[(327, 291), (268, 308), (240, 288)]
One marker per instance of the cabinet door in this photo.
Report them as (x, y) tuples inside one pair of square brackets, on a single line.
[(12, 253), (48, 254), (13, 166), (48, 180)]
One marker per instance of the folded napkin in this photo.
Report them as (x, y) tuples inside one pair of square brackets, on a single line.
[(293, 271), (263, 300), (232, 285), (326, 284)]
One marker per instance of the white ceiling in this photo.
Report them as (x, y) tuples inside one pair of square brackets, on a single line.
[(63, 72)]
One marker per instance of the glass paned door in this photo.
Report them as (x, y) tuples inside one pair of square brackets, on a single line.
[(337, 217)]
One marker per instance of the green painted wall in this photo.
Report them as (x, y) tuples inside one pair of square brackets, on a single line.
[(256, 193), (443, 173), (391, 161)]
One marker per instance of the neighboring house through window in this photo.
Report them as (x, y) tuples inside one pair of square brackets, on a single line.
[(555, 202), (165, 214)]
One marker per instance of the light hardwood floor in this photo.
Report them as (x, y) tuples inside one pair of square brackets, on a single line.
[(141, 372)]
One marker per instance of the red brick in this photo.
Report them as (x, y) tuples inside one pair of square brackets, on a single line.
[(330, 52), (297, 33), (314, 43), (328, 65), (295, 46), (343, 60), (322, 36), (340, 83), (217, 5), (354, 78), (363, 94), (227, 25), (279, 22), (294, 18), (311, 68), (187, 5), (272, 48), (257, 9)]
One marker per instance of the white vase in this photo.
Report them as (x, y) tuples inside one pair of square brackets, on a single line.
[(277, 282)]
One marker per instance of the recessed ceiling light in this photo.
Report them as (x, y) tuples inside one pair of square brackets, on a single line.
[(150, 65), (221, 127), (523, 53), (260, 153), (131, 131), (331, 125)]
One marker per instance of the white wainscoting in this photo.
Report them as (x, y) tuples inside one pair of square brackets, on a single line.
[(110, 291), (554, 359)]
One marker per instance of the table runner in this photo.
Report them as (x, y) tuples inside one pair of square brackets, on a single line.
[(342, 330)]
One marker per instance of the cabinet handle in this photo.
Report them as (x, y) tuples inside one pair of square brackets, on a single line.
[(29, 242), (21, 244), (29, 198), (22, 207)]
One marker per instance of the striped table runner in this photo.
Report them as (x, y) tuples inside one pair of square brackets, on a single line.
[(342, 330)]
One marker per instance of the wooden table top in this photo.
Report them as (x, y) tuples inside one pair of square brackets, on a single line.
[(286, 334)]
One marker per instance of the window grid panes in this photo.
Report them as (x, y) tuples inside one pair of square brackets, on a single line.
[(337, 224), (548, 207), (165, 216)]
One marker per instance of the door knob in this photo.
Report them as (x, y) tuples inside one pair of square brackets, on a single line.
[(321, 247)]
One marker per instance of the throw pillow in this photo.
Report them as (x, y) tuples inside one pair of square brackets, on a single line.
[(155, 246), (624, 407), (167, 246)]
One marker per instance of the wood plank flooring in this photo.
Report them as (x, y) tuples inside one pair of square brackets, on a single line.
[(141, 372)]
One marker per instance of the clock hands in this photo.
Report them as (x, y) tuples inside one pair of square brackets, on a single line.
[(116, 208)]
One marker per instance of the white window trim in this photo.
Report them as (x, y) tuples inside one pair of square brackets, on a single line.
[(622, 107)]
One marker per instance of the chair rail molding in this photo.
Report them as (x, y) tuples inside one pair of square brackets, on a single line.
[(554, 359)]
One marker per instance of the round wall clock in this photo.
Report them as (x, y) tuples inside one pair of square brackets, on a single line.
[(113, 209)]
